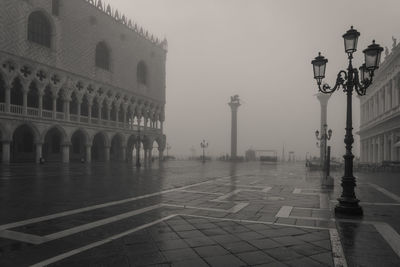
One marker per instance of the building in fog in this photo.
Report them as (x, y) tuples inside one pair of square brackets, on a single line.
[(380, 112), (78, 80)]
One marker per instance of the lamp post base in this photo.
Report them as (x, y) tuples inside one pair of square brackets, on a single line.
[(348, 207)]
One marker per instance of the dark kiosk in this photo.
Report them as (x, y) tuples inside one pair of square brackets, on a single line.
[(350, 80)]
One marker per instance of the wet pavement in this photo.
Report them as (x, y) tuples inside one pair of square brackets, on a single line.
[(185, 213)]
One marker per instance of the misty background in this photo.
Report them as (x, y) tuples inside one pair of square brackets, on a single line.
[(261, 50)]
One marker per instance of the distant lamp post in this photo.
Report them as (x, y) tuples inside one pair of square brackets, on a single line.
[(204, 145), (349, 80)]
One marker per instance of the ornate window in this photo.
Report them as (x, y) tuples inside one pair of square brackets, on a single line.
[(39, 29), (102, 56), (141, 73)]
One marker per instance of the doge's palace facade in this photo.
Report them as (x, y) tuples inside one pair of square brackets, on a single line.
[(78, 82)]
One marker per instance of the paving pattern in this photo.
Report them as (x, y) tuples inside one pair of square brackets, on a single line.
[(179, 214)]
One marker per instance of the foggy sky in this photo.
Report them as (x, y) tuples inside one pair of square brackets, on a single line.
[(261, 50)]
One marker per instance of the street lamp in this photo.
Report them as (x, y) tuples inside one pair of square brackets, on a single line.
[(349, 80), (204, 145)]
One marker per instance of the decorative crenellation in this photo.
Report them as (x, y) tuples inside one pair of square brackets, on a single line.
[(121, 18), (66, 83)]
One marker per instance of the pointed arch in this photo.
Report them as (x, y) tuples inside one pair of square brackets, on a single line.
[(103, 56), (39, 29)]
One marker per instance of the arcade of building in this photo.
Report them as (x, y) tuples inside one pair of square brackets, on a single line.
[(53, 114)]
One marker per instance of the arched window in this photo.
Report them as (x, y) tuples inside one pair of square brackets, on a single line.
[(39, 29), (102, 56), (141, 73)]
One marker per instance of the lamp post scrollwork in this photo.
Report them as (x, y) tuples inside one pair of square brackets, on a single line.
[(350, 80)]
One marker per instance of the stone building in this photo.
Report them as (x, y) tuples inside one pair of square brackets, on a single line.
[(380, 112), (78, 80)]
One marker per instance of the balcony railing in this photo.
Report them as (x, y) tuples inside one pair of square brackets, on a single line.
[(48, 115), (34, 112), (16, 109)]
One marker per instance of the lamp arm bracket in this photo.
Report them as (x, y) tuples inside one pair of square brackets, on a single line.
[(340, 81), (361, 86)]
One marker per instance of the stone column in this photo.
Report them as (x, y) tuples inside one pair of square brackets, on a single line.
[(38, 152), (234, 104), (161, 155), (146, 159), (79, 110), (54, 107), (88, 153), (107, 154), (6, 151), (66, 109), (8, 95), (108, 113), (385, 147), (392, 149), (25, 102), (373, 151), (138, 147), (150, 155), (65, 153), (89, 112), (323, 100), (41, 103), (123, 155), (124, 118)]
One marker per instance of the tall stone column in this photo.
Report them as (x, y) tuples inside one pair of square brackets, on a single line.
[(6, 151), (323, 100), (234, 104)]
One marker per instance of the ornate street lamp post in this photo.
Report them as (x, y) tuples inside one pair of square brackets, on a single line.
[(324, 138), (349, 80), (204, 145)]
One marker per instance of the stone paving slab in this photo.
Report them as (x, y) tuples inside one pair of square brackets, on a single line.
[(202, 217)]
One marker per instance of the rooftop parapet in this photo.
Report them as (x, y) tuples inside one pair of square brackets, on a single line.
[(122, 19)]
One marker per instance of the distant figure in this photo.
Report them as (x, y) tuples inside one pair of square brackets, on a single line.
[(394, 42)]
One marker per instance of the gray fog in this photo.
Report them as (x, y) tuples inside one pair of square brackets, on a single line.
[(261, 50)]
